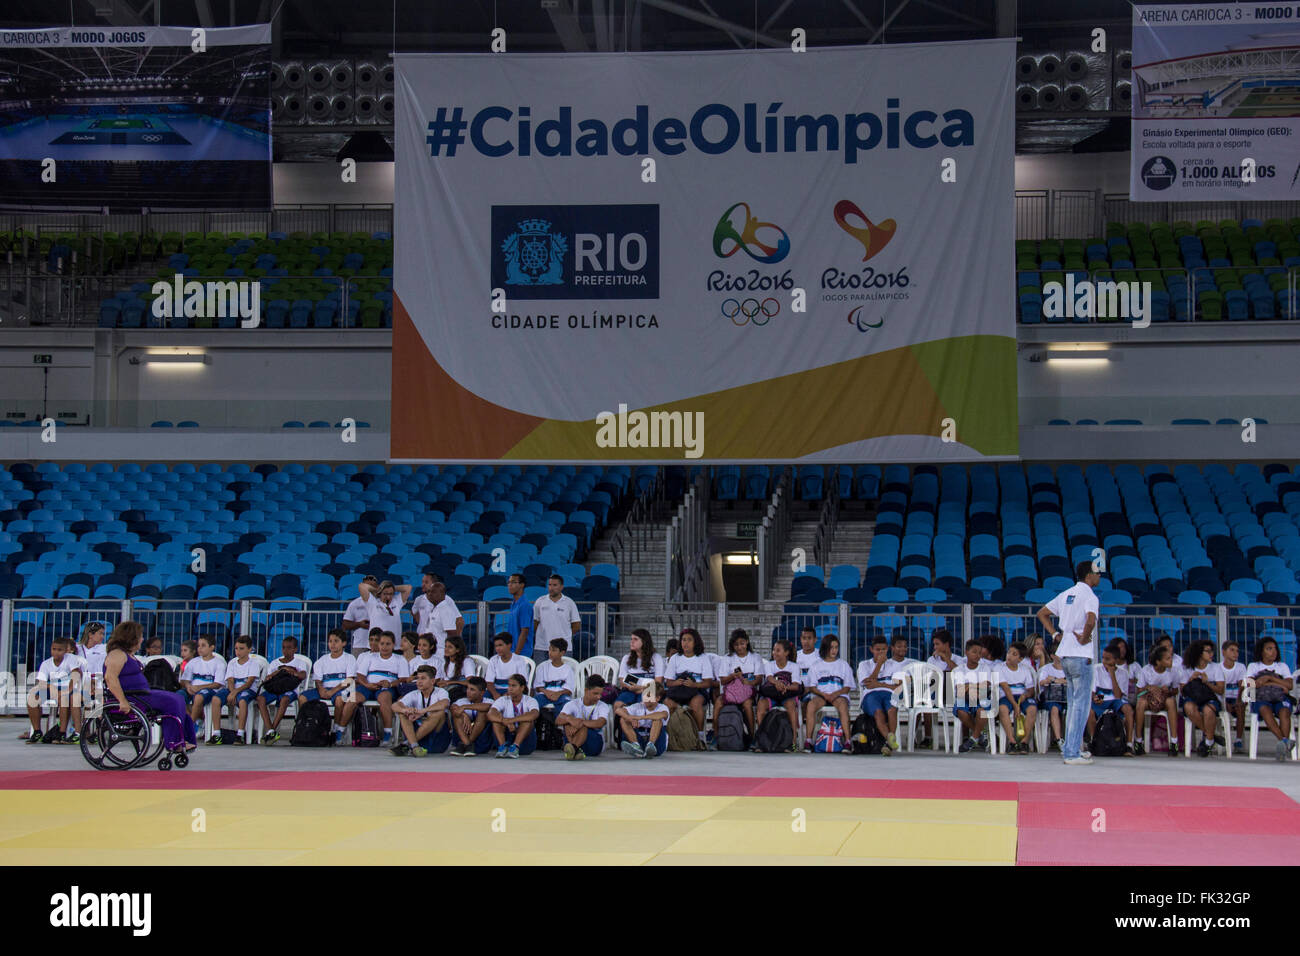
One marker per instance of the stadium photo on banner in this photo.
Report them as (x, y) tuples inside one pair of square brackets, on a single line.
[(446, 434)]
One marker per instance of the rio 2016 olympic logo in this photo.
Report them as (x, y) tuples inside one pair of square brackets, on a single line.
[(741, 231), (742, 312)]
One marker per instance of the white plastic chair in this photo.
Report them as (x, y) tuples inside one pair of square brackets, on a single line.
[(984, 687), (1224, 725), (1248, 698), (922, 694)]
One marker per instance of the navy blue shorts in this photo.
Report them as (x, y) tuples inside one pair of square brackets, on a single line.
[(365, 693), (877, 700), (1213, 702), (1052, 705), (1284, 704), (274, 699), (246, 695), (1115, 705), (220, 693), (1024, 704)]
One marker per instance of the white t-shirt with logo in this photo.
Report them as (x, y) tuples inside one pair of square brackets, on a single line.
[(507, 708), (639, 674), (1232, 678), (60, 675), (888, 669), (388, 616), (298, 662), (92, 658), (751, 665), (437, 662), (241, 672), (548, 676), (934, 660), (212, 671), (499, 671), (332, 671), (829, 676), (697, 668), (972, 685), (1148, 676), (468, 668), (1020, 680), (1071, 608), (419, 701), (357, 612), (554, 619), (1101, 683), (790, 671), (1277, 668), (806, 659), (375, 667), (657, 711), (597, 711)]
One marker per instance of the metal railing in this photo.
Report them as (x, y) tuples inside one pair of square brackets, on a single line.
[(773, 532), (631, 540), (27, 626), (686, 544), (824, 536), (1077, 213)]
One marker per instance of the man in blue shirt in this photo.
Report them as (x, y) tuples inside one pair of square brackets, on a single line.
[(520, 623)]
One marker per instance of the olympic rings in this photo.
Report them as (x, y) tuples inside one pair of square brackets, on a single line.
[(741, 312)]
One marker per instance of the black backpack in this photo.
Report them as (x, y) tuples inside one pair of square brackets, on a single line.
[(548, 735), (367, 730), (1109, 740), (281, 682), (864, 735), (311, 728), (160, 676), (731, 734), (775, 735)]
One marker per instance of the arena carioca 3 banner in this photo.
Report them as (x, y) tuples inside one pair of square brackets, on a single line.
[(722, 256), (1216, 102)]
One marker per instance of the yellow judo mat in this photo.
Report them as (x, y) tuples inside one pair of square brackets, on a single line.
[(249, 826)]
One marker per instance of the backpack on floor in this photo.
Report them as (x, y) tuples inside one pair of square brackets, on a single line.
[(865, 736), (775, 735), (311, 728), (367, 730), (1109, 740), (681, 732), (731, 729), (548, 735), (830, 736), (159, 675)]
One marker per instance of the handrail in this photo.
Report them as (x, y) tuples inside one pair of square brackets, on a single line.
[(824, 536), (632, 538), (773, 532)]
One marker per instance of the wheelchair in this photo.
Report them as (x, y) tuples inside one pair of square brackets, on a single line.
[(111, 740)]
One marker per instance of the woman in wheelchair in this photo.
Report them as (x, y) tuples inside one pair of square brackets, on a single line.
[(123, 679)]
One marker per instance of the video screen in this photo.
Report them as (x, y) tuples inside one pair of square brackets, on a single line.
[(135, 119)]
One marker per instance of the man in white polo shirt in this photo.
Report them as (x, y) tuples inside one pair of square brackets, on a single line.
[(554, 615), (356, 619), (434, 612), (1075, 610)]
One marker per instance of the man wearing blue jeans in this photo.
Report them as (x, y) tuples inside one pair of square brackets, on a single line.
[(1075, 610)]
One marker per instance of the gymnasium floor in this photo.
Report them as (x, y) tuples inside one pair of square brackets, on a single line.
[(178, 137), (279, 805)]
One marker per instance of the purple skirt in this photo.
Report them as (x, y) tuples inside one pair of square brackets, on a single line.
[(172, 705)]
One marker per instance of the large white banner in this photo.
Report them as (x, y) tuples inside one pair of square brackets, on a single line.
[(1216, 102), (736, 255)]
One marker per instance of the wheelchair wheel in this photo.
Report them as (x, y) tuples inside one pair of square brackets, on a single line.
[(115, 741), (165, 763), (182, 761)]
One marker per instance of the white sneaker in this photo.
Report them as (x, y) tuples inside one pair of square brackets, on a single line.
[(1080, 760), (1086, 753)]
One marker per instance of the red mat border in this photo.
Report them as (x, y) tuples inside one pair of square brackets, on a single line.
[(399, 782)]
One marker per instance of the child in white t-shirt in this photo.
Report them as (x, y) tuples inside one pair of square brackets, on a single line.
[(502, 664), (243, 674), (58, 679), (583, 721), (689, 678), (738, 677), (972, 683), (828, 682), (643, 726), (422, 716), (334, 676), (879, 679), (1234, 672), (1202, 683), (1052, 694), (289, 661), (469, 718), (1109, 692), (1018, 684), (1158, 694), (513, 718), (379, 674), (782, 686), (1273, 683), (553, 683), (204, 679)]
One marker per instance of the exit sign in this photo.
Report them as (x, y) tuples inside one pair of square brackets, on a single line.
[(746, 529), (42, 359)]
